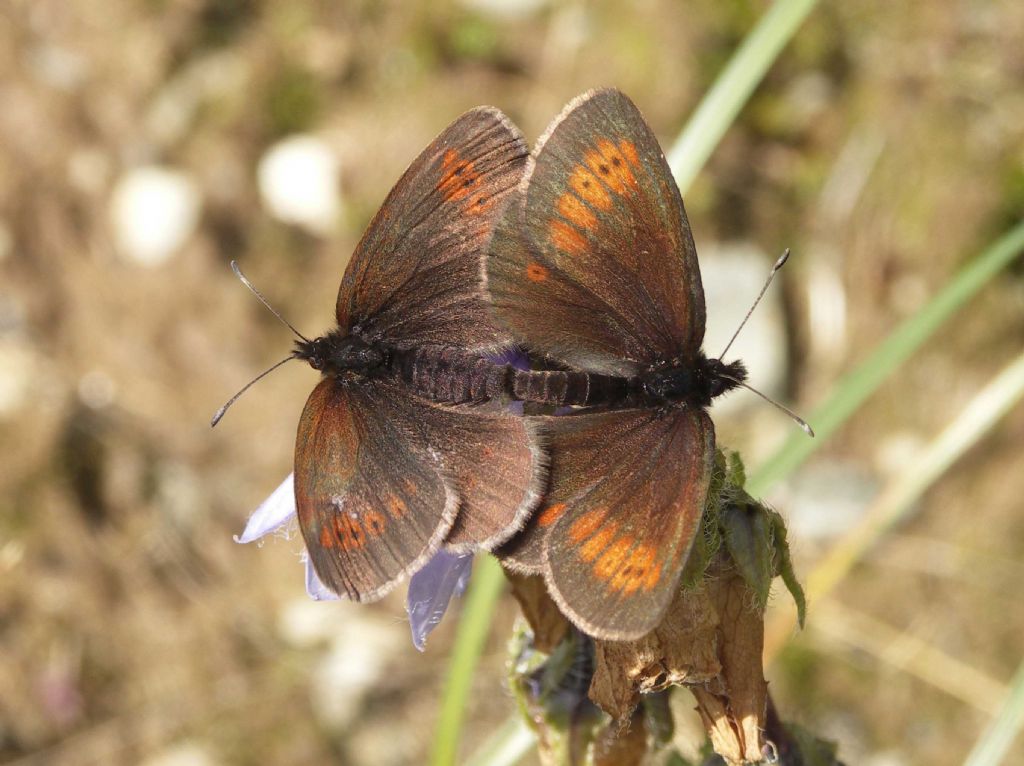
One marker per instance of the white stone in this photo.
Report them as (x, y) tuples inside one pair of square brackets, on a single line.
[(154, 210), (357, 659), (733, 274), (58, 67), (505, 9), (826, 498), (298, 182), (97, 389), (6, 241), (17, 368), (304, 623), (182, 754)]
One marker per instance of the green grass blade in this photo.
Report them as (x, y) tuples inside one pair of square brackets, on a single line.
[(484, 588), (507, 745), (991, 747), (873, 371), (732, 88)]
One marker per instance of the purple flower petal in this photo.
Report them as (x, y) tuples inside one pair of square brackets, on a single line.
[(431, 589), (314, 585), (273, 513)]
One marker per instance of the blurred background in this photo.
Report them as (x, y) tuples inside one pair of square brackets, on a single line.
[(143, 145)]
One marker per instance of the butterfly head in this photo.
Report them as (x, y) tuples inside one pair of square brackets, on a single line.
[(722, 376), (694, 383), (337, 353)]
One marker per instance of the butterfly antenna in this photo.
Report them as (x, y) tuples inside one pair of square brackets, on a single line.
[(220, 413), (245, 281), (796, 418), (771, 275)]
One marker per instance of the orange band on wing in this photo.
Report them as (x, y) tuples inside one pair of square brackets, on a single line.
[(566, 238), (572, 208), (397, 506), (586, 525), (611, 165), (611, 560), (628, 149), (640, 571), (592, 547), (535, 272), (374, 523), (551, 514), (480, 204), (589, 189), (350, 532), (458, 177)]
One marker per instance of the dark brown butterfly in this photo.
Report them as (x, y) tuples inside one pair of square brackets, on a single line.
[(593, 265), (384, 475)]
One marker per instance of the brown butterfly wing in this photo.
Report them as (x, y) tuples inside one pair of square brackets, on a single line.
[(546, 310), (523, 553), (625, 499), (602, 235), (495, 466), (373, 503), (416, 275)]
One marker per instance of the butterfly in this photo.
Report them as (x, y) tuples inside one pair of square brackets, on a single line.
[(593, 266), (396, 453)]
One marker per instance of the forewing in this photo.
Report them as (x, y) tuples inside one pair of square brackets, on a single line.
[(416, 275), (372, 503), (626, 494), (545, 309), (601, 236)]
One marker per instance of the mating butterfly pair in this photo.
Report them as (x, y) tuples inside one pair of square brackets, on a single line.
[(579, 253)]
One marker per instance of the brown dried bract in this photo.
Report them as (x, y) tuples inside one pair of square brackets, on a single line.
[(711, 641), (681, 650), (548, 624), (734, 706)]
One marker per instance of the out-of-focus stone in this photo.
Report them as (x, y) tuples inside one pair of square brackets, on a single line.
[(97, 389), (17, 368), (505, 9), (154, 210), (182, 754), (298, 182), (6, 241), (826, 498), (357, 660), (304, 623), (57, 66), (733, 274)]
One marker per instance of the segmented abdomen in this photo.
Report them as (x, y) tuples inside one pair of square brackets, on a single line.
[(452, 376)]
